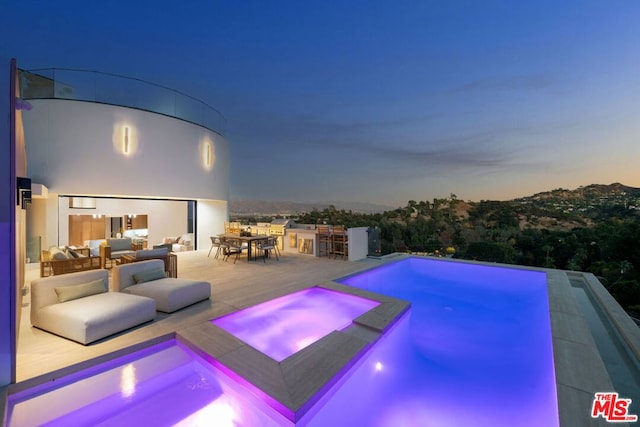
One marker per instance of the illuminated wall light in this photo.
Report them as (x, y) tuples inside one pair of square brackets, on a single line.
[(207, 154), (125, 141)]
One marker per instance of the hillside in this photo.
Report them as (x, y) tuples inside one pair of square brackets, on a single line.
[(559, 209), (563, 209)]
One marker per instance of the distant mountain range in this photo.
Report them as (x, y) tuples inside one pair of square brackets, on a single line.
[(270, 208), (582, 199)]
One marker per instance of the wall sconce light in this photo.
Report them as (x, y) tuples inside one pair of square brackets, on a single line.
[(125, 140), (206, 153)]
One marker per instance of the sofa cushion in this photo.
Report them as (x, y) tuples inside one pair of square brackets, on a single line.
[(122, 244), (89, 318), (149, 275), (97, 316), (68, 293), (152, 253), (172, 294)]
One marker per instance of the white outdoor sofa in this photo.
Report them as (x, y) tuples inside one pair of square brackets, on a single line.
[(79, 307), (148, 278)]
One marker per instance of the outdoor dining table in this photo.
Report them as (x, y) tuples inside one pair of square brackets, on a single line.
[(250, 240)]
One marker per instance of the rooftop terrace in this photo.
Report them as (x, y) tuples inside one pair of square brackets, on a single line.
[(580, 371)]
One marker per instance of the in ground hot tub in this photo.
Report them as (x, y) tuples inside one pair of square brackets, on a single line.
[(286, 325)]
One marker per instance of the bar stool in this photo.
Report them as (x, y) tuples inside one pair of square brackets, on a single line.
[(340, 242), (324, 240)]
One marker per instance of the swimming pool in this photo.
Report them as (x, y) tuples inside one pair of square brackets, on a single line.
[(474, 349)]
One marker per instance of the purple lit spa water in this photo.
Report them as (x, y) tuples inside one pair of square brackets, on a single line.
[(164, 385), (474, 350), (286, 325)]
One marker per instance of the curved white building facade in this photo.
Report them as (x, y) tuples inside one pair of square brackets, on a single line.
[(80, 147), (131, 161)]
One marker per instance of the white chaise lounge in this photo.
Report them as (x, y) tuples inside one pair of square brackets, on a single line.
[(79, 307), (148, 278)]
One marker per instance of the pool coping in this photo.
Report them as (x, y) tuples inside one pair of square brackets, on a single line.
[(295, 384)]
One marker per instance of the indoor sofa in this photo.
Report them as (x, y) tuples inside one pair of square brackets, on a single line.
[(116, 248), (67, 260), (79, 307), (149, 279)]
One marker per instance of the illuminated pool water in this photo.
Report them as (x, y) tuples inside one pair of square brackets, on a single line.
[(164, 384), (286, 325), (474, 350)]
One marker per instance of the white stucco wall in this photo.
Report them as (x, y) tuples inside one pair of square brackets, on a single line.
[(76, 147), (358, 243), (212, 215)]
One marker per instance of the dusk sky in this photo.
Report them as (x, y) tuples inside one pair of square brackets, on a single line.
[(373, 101)]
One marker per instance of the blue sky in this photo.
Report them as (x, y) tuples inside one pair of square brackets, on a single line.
[(375, 101)]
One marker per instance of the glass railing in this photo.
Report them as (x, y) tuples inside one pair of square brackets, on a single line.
[(93, 86)]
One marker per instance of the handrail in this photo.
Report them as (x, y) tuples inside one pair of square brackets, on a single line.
[(113, 89)]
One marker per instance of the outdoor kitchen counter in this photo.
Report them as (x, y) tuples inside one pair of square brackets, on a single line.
[(301, 240)]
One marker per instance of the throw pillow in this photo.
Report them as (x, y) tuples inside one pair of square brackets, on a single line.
[(72, 254), (57, 253), (68, 293), (149, 275)]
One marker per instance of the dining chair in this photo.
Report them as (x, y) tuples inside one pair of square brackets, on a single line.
[(267, 246), (233, 247), (216, 242), (274, 242)]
